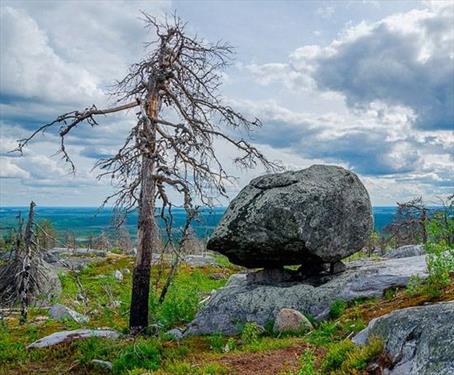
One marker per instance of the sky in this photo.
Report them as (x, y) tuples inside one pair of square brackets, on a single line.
[(367, 85)]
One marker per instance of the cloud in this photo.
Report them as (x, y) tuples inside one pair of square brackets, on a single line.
[(8, 169), (403, 60), (32, 70)]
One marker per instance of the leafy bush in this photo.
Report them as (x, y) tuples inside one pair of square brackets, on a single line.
[(250, 333), (145, 354), (337, 309)]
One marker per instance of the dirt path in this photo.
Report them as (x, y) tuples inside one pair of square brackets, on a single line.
[(271, 362)]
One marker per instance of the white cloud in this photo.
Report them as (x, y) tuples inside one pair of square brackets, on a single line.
[(32, 70), (8, 169)]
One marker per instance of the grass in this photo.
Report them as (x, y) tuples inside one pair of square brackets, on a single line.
[(326, 349)]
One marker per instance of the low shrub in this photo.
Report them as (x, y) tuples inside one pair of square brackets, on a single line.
[(250, 333), (337, 309), (144, 354), (336, 355)]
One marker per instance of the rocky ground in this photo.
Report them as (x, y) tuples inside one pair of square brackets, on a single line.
[(95, 297)]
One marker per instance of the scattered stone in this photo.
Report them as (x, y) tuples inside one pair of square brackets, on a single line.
[(60, 312), (69, 336), (199, 260), (118, 275), (51, 257), (406, 251), (217, 276), (105, 365), (418, 340), (126, 271), (240, 301), (290, 320), (316, 215), (175, 333)]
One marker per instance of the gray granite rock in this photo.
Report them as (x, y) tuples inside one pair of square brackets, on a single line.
[(199, 260), (418, 340), (61, 312), (175, 333), (290, 320), (241, 301), (405, 251), (316, 215), (69, 336)]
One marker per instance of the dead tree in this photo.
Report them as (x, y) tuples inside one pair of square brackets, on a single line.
[(409, 224), (25, 278), (180, 115), (24, 275)]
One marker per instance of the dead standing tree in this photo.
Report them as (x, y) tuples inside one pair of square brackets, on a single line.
[(181, 114)]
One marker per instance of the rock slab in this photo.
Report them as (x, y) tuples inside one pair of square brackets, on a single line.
[(406, 251), (69, 336), (241, 301), (316, 215), (418, 340)]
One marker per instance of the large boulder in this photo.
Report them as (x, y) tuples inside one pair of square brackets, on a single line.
[(242, 301), (418, 340), (316, 215)]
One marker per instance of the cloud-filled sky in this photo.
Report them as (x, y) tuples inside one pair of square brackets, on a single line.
[(368, 85)]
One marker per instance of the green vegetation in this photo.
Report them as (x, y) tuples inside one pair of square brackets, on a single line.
[(250, 333), (95, 292), (440, 257), (337, 308)]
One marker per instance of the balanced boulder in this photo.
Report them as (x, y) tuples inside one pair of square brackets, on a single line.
[(316, 215)]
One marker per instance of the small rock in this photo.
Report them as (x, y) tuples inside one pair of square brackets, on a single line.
[(199, 260), (115, 304), (60, 312), (175, 333), (118, 275), (217, 276), (105, 365), (69, 336), (126, 271), (290, 320)]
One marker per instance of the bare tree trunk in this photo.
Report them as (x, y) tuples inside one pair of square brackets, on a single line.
[(138, 317), (24, 291)]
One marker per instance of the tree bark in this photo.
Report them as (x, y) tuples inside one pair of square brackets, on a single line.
[(138, 317)]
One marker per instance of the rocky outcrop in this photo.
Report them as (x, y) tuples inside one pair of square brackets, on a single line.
[(241, 301), (406, 251), (418, 340), (315, 215)]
